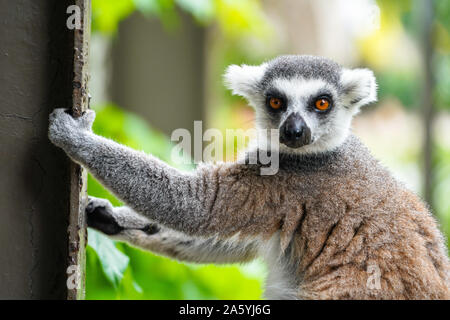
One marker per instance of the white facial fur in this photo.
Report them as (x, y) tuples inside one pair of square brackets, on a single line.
[(357, 87), (358, 84)]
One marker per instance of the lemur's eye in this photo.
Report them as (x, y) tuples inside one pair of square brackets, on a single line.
[(322, 104), (275, 103)]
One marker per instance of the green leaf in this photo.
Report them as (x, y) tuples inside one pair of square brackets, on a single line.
[(129, 289), (113, 261), (98, 287)]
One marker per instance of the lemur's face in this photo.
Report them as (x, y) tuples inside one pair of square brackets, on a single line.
[(310, 100)]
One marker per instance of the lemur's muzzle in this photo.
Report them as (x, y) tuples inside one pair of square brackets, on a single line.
[(294, 132)]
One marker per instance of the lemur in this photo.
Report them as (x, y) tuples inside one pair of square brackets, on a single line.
[(332, 223)]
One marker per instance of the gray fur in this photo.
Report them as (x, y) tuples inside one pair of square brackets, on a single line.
[(301, 66)]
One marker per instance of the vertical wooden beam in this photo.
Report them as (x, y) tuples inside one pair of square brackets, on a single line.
[(41, 197), (78, 188)]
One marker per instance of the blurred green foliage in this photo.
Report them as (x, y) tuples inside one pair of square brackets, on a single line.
[(116, 270), (442, 81), (442, 12), (234, 17), (405, 84), (401, 85), (107, 14), (441, 200)]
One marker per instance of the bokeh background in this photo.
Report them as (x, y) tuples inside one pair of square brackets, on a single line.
[(156, 65)]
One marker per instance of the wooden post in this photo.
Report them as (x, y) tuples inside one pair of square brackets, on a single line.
[(78, 185), (42, 194)]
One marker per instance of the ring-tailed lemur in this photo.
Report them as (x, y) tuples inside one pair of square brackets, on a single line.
[(331, 224)]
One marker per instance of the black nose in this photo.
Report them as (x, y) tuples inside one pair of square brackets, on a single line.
[(294, 132)]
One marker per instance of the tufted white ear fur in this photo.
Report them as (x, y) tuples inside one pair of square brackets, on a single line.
[(243, 80), (360, 88)]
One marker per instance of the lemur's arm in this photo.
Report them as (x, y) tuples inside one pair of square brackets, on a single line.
[(122, 223), (214, 200)]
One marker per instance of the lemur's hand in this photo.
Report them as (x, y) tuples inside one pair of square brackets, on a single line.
[(101, 215), (65, 129)]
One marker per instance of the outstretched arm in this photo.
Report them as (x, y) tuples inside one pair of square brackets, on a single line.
[(124, 224), (214, 200)]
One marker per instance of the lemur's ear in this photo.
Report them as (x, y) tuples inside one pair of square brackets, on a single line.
[(359, 87), (243, 80)]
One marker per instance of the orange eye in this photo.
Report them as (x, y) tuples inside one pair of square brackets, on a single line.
[(322, 104), (275, 103)]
